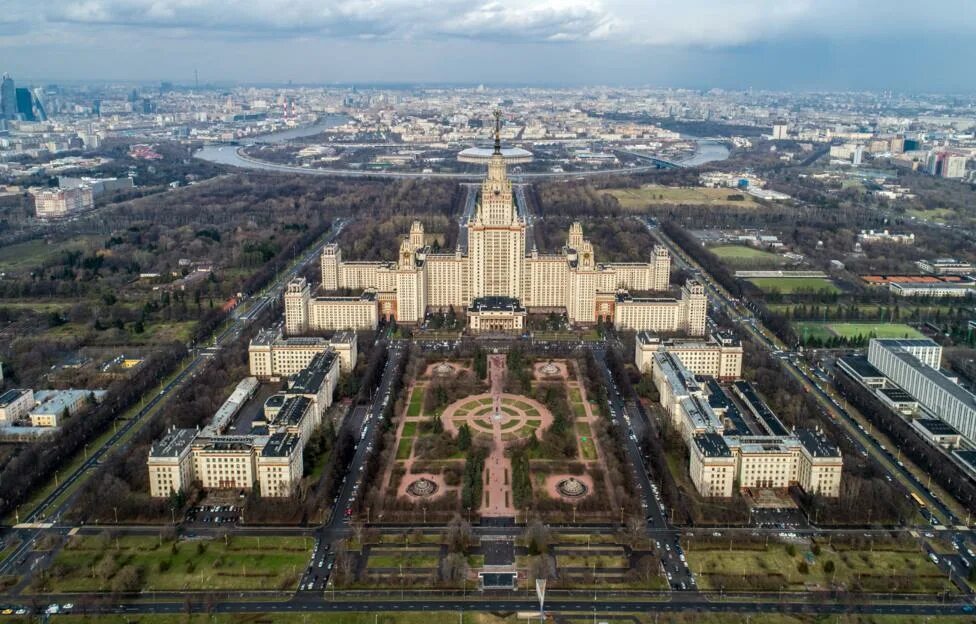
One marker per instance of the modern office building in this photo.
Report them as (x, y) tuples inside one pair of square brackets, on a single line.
[(8, 98), (946, 266), (735, 438), (492, 263), (914, 366)]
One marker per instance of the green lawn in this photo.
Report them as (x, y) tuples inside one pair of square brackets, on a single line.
[(789, 285), (416, 402), (419, 617), (589, 561), (89, 564), (647, 195), (473, 617), (808, 330), (774, 568), (587, 447), (22, 257), (407, 559), (409, 429), (732, 253), (824, 331), (878, 330), (404, 448)]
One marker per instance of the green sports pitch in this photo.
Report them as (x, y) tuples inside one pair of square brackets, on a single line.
[(853, 330), (788, 285)]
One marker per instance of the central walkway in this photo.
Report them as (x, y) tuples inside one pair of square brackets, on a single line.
[(498, 468)]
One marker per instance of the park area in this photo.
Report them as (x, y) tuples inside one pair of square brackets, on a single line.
[(100, 564), (637, 199), (814, 330), (472, 617), (882, 566), (791, 285), (522, 436)]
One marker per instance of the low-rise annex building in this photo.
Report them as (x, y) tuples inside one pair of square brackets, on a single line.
[(272, 355), (718, 356), (751, 448), (270, 456)]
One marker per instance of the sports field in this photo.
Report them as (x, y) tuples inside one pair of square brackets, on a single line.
[(741, 255), (649, 195), (824, 331), (789, 285)]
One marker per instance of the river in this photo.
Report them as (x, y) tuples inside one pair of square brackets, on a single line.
[(708, 151)]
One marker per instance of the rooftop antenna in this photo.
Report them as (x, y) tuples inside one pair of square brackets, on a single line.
[(498, 131)]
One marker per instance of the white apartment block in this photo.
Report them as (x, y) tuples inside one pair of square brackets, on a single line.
[(720, 356), (271, 456), (725, 448), (15, 404), (492, 262), (272, 355), (57, 203), (170, 463)]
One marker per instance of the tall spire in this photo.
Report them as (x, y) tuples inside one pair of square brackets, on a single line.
[(498, 131)]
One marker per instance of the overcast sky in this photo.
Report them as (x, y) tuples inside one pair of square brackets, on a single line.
[(785, 44)]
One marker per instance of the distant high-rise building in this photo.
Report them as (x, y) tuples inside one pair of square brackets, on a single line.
[(780, 131), (25, 104), (946, 164), (8, 98), (858, 155)]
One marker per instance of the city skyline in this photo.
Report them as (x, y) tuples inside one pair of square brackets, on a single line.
[(823, 45)]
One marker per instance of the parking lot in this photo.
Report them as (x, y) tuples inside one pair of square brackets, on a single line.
[(214, 514)]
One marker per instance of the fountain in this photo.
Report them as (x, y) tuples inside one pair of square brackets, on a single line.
[(443, 369), (572, 488), (549, 369), (422, 488)]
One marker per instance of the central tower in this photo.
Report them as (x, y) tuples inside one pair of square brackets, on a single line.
[(496, 235)]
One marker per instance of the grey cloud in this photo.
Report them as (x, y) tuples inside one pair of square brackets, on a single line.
[(686, 23)]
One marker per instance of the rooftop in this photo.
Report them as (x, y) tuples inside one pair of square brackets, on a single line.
[(936, 426), (897, 395), (769, 420), (860, 365), (173, 443), (817, 444), (280, 445), (496, 304), (11, 395), (310, 379), (712, 445), (293, 411)]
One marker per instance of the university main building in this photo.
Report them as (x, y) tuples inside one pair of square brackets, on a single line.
[(493, 278)]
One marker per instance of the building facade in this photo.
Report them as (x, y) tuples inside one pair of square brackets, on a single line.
[(726, 449), (270, 354), (58, 203), (720, 356), (493, 262), (914, 365), (270, 456)]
